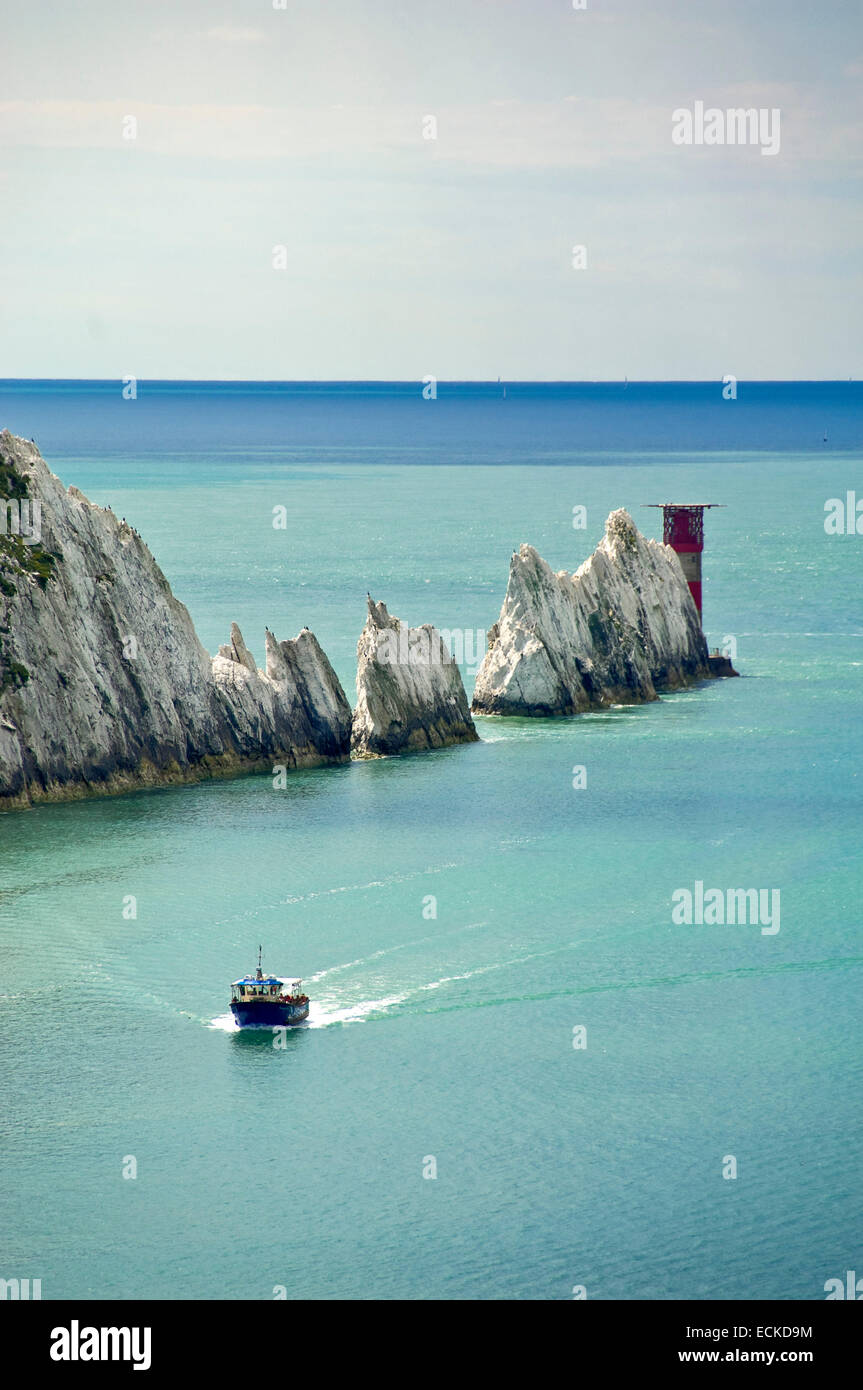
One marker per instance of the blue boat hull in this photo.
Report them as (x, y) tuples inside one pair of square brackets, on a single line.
[(269, 1013)]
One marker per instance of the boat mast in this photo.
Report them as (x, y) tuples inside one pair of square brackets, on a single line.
[(259, 975)]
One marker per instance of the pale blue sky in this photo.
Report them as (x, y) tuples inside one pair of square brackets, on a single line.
[(408, 257)]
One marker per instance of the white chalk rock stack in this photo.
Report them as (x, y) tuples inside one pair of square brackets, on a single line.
[(104, 684), (620, 629), (295, 712), (410, 693)]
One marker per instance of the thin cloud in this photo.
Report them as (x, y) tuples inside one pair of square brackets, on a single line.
[(572, 133), (226, 33)]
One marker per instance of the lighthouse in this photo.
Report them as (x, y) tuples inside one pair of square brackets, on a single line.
[(683, 530)]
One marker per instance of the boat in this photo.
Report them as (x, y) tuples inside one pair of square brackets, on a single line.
[(268, 1001)]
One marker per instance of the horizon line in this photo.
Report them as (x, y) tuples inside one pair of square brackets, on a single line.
[(420, 381)]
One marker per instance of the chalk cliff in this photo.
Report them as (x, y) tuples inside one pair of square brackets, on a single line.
[(409, 689), (620, 629), (104, 684)]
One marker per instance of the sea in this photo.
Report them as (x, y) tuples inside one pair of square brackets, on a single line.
[(522, 1077)]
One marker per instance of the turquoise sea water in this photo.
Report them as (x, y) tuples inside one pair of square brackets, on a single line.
[(451, 1037)]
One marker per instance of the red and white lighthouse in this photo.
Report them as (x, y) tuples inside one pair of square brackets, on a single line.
[(683, 530)]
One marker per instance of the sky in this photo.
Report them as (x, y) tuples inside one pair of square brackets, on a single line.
[(305, 127)]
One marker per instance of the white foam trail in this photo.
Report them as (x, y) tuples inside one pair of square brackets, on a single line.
[(321, 1017), (349, 964), (388, 951), (329, 892), (225, 1023)]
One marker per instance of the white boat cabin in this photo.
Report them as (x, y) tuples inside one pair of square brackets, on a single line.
[(265, 987)]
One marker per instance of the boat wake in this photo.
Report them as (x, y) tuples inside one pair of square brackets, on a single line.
[(390, 950), (225, 1023), (292, 900), (320, 1016)]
